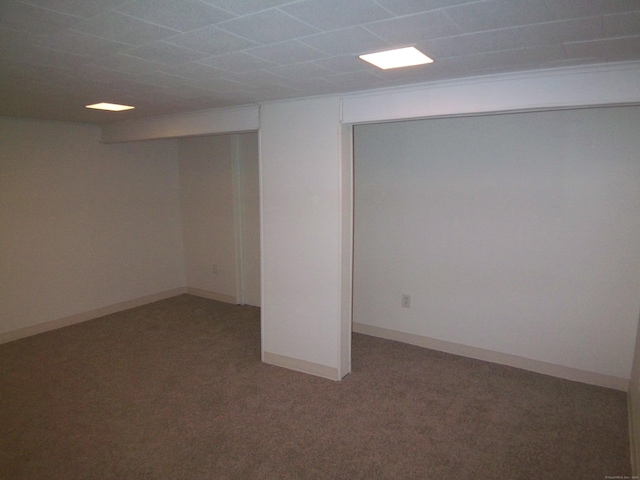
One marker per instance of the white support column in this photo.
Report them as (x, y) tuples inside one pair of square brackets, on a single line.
[(302, 237)]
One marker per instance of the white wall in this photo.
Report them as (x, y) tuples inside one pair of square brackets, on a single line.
[(206, 199), (513, 233), (300, 162), (83, 225), (634, 408), (248, 197), (288, 132), (219, 195)]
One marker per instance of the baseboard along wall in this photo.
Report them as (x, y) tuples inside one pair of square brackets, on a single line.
[(90, 315), (109, 309), (220, 297), (537, 366), (303, 366), (329, 372)]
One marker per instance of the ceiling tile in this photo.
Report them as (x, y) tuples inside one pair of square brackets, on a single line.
[(278, 92), (31, 73), (236, 62), (343, 64), (124, 63), (494, 14), (352, 40), (399, 76), (611, 50), (198, 103), (244, 7), (268, 27), (533, 57), (134, 86), (15, 75), (195, 71), (98, 75), (355, 81), (186, 91), (303, 70), (312, 86), (80, 43), (12, 42), (622, 25), (30, 19), (517, 37), (408, 30), (222, 85), (336, 14), (166, 53), (242, 97), (563, 9), (287, 52), (122, 28), (163, 80), (35, 55), (619, 6), (183, 15), (259, 78), (408, 7), (503, 61), (77, 8), (212, 40)]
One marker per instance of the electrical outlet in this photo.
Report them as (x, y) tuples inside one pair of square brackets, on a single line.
[(406, 301)]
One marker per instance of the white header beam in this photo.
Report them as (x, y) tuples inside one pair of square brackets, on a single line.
[(218, 121), (601, 85)]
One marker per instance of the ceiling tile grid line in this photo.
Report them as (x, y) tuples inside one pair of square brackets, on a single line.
[(171, 56)]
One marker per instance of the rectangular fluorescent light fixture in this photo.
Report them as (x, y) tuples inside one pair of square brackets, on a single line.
[(400, 57), (112, 107)]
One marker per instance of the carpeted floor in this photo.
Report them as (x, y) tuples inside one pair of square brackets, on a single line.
[(176, 390)]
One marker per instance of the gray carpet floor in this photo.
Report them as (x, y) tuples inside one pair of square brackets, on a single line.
[(176, 390)]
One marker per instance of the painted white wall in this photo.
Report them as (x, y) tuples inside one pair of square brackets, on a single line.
[(206, 200), (634, 408), (513, 233), (558, 88), (248, 197), (83, 225), (220, 203), (300, 161)]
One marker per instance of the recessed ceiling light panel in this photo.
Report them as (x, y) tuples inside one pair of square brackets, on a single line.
[(112, 107), (400, 57)]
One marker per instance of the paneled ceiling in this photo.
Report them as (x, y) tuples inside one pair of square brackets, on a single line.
[(175, 56)]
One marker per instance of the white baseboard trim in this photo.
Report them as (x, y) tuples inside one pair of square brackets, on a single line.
[(301, 366), (90, 315), (537, 366), (221, 297)]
